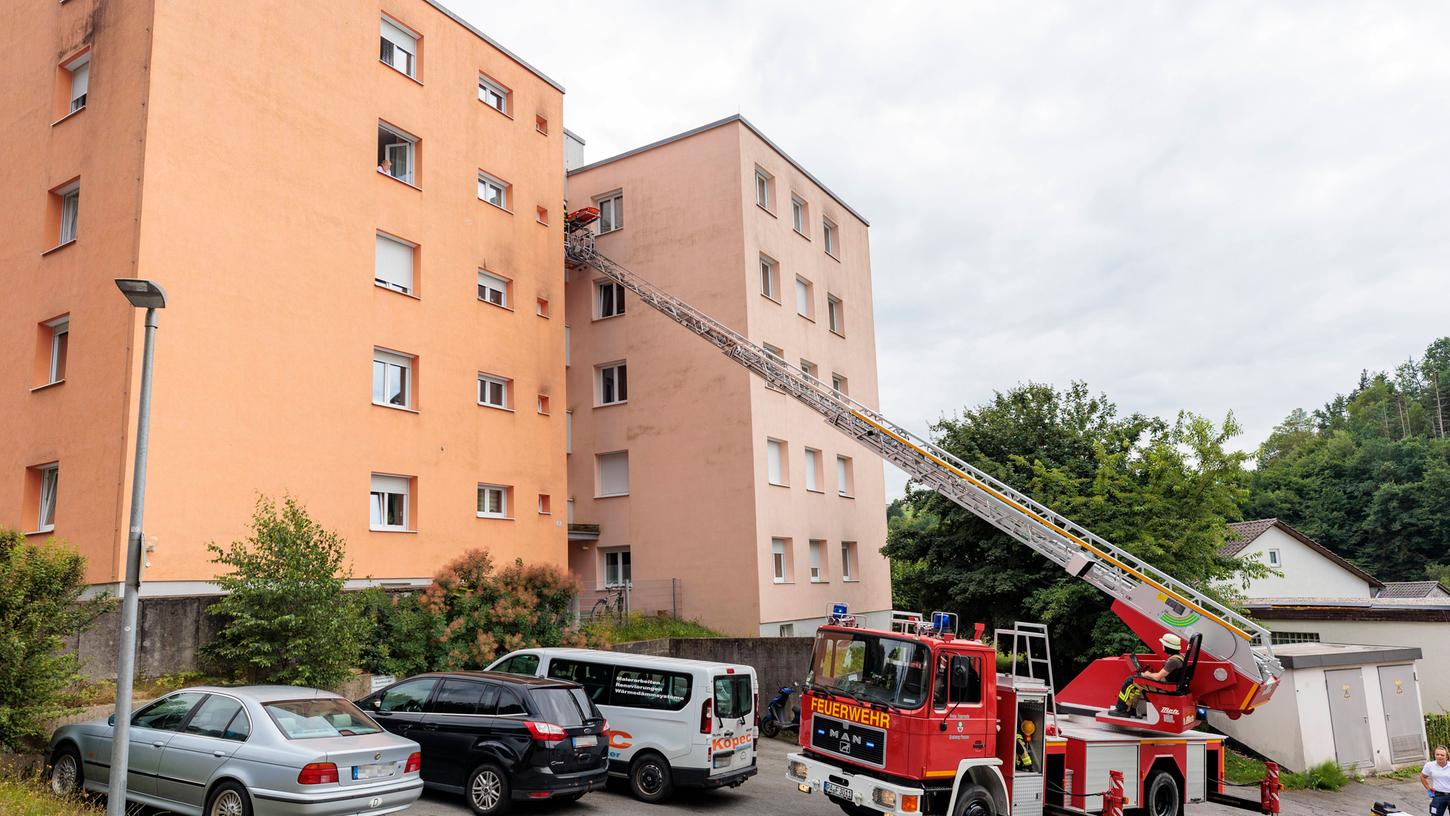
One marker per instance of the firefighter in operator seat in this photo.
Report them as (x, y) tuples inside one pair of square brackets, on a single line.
[(1172, 671)]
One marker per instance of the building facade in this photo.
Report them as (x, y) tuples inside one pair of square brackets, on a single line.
[(355, 210), (710, 495)]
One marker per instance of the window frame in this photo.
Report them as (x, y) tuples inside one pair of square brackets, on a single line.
[(69, 197), (625, 567), (799, 216), (414, 61), (848, 562), (620, 384), (505, 386), (492, 182), (388, 357), (411, 178), (80, 63), (835, 314), (845, 476), (503, 502), (616, 299), (841, 384), (770, 278), (1273, 557), (777, 462), (504, 299), (831, 238), (382, 526), (48, 481), (815, 462), (412, 248), (764, 188), (599, 474), (495, 88), (816, 551), (611, 211), (805, 288), (59, 349), (780, 560)]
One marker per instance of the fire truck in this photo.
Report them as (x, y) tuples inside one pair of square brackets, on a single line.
[(915, 719)]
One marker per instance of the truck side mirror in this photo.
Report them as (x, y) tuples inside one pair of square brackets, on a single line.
[(111, 720)]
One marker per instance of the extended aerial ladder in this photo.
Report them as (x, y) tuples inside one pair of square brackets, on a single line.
[(1236, 670)]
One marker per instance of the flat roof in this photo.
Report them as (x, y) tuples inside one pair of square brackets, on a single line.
[(720, 123), (1317, 655), (491, 41)]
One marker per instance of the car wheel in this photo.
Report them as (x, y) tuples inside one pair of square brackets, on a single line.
[(66, 776), (975, 801), (1161, 796), (228, 799), (649, 779), (488, 790)]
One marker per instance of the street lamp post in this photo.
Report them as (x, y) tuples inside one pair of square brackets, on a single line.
[(143, 294)]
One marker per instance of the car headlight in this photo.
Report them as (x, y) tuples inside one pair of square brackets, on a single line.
[(796, 769), (885, 798)]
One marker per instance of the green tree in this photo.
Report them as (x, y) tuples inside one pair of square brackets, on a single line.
[(285, 616), (405, 634), (40, 606), (1164, 491), (487, 613)]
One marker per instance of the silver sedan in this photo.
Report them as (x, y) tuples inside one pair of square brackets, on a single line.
[(248, 751)]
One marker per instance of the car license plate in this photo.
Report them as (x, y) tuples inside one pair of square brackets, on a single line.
[(378, 771), (586, 741), (839, 791), (724, 760)]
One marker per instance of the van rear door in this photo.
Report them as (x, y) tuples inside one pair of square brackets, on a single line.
[(732, 738)]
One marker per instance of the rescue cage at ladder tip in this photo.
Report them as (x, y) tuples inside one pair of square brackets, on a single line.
[(1229, 665)]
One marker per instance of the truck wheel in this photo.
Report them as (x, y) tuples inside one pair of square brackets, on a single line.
[(1161, 796), (649, 779), (975, 801), (768, 728)]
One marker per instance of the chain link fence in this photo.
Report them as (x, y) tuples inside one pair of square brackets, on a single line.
[(658, 597)]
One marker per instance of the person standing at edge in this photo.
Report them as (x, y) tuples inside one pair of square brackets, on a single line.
[(1435, 776)]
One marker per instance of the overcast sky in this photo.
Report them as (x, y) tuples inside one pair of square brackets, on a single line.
[(1203, 206)]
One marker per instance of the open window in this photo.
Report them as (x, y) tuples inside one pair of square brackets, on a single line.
[(958, 681), (77, 75), (398, 47), (397, 153)]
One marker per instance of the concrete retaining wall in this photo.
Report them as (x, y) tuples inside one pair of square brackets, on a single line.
[(171, 632), (777, 661)]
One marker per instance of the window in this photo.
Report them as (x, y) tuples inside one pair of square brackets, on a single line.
[(457, 696), (798, 214), (392, 373), (541, 307), (845, 476), (611, 213), (49, 485), (805, 298), (813, 470), (649, 688), (1274, 558), (780, 560), (777, 464), (594, 677), (493, 391), (809, 368), (544, 404), (408, 697), (525, 664), (762, 188), (79, 71), (217, 718), (493, 501), (398, 47), (545, 504), (840, 384), (168, 713), (493, 95), (493, 191), (1278, 638), (569, 511), (541, 214), (568, 431), (393, 264), (830, 234), (610, 299), (817, 549), (541, 124), (785, 630), (769, 278), (508, 705), (493, 289), (616, 568), (389, 508), (397, 153), (319, 718), (958, 681), (613, 473), (568, 345), (613, 383), (70, 210), (835, 315), (848, 561), (778, 354), (59, 332)]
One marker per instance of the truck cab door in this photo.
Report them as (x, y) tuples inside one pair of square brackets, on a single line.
[(959, 702)]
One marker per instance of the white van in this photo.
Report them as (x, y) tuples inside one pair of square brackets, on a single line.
[(672, 723)]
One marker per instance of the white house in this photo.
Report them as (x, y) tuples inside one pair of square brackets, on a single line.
[(1321, 598)]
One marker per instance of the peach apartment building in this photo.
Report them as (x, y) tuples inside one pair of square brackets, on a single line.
[(684, 470), (355, 209)]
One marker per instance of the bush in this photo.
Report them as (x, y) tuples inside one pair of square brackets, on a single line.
[(405, 636), (40, 605), (1324, 776), (1437, 729), (286, 617), (485, 614)]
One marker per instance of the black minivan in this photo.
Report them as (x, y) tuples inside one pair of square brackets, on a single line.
[(496, 737)]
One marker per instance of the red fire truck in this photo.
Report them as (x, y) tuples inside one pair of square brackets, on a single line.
[(913, 719)]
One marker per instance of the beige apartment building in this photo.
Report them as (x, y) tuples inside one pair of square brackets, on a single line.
[(355, 209), (690, 481)]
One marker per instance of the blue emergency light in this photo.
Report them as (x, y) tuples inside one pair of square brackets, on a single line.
[(944, 622), (838, 610)]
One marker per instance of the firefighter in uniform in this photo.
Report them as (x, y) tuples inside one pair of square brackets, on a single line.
[(1024, 749), (1172, 671)]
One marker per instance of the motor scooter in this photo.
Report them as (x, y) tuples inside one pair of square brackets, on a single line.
[(774, 718)]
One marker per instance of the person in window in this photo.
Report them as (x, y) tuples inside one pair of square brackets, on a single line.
[(1172, 672)]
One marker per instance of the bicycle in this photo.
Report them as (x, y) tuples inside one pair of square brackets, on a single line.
[(616, 607)]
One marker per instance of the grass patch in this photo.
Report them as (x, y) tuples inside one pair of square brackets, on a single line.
[(27, 798), (88, 693), (1412, 772), (643, 627), (1241, 769)]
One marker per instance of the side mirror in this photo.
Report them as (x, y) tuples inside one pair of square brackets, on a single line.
[(374, 702), (111, 721)]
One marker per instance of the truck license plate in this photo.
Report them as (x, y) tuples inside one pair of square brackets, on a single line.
[(373, 771), (838, 791)]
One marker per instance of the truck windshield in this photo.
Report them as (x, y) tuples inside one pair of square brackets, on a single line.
[(872, 667)]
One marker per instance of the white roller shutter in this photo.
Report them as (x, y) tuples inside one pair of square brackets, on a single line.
[(394, 264)]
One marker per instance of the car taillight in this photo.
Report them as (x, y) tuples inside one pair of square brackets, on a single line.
[(317, 773), (707, 721), (545, 732), (415, 763)]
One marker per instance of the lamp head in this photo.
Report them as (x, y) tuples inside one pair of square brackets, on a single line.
[(143, 294)]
